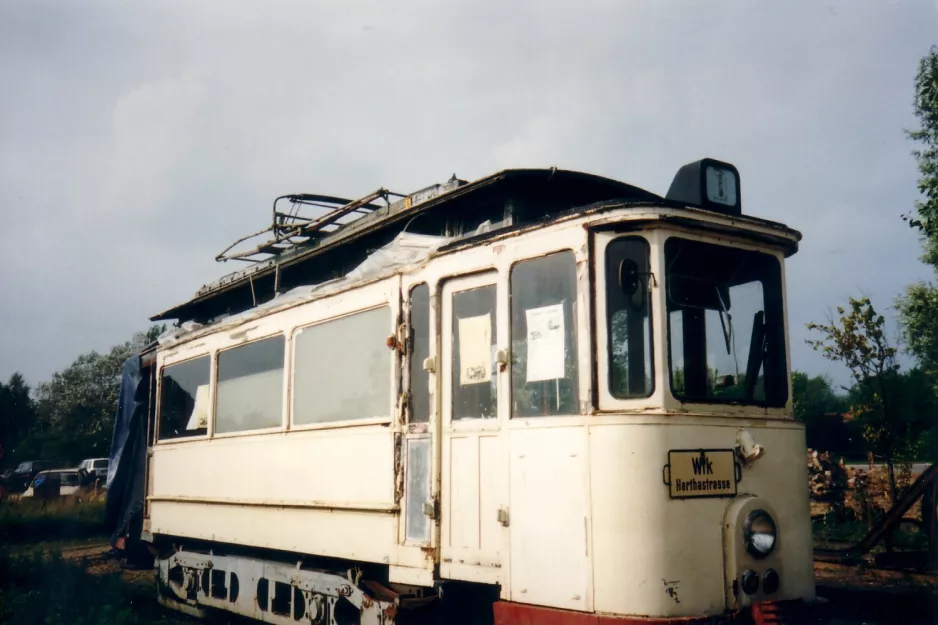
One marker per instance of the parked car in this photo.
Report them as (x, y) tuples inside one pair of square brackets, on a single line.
[(67, 479), (96, 467), (23, 475)]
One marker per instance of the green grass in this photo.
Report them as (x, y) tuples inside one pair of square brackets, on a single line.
[(31, 521), (42, 588), (38, 586), (829, 531)]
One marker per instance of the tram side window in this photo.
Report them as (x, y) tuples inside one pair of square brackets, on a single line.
[(419, 351), (184, 404), (249, 393), (543, 336), (628, 311), (342, 369)]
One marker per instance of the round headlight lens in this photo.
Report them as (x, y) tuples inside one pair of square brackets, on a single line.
[(759, 533)]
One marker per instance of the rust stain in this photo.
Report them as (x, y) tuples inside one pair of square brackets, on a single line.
[(398, 469), (429, 554)]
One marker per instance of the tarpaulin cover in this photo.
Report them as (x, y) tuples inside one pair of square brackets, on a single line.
[(125, 474), (406, 250)]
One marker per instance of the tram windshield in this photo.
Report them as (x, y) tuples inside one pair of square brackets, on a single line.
[(726, 336)]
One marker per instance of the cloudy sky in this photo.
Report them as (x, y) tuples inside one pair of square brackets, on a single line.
[(138, 138)]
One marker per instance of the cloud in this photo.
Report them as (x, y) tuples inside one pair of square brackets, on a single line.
[(137, 140)]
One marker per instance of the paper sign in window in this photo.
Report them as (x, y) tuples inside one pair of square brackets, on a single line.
[(545, 359), (199, 417), (475, 351)]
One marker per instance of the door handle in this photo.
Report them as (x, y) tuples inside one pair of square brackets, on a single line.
[(501, 357)]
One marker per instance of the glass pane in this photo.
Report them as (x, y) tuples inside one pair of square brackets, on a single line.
[(342, 369), (725, 325), (543, 336), (419, 351), (628, 311), (418, 489), (249, 394), (184, 403), (474, 339)]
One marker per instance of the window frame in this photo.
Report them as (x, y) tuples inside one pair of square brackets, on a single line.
[(471, 282), (392, 373), (713, 403), (210, 426), (284, 388), (602, 399), (577, 339), (607, 319), (470, 279), (413, 366)]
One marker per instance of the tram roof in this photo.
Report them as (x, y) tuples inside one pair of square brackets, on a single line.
[(325, 247)]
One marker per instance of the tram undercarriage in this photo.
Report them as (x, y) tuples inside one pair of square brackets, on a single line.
[(276, 592)]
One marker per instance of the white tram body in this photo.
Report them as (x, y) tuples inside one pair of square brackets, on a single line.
[(556, 409)]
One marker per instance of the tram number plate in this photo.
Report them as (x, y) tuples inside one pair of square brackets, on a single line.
[(701, 473)]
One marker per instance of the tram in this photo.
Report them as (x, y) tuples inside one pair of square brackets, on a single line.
[(560, 395)]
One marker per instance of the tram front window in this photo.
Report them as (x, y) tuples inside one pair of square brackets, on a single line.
[(726, 334)]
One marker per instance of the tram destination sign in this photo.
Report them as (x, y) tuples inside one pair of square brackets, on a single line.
[(692, 473)]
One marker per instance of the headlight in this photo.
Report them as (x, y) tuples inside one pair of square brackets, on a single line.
[(759, 534)]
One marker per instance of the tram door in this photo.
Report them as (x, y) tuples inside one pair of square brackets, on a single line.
[(474, 466), (419, 529)]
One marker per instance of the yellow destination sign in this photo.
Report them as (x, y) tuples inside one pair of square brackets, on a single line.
[(701, 473)]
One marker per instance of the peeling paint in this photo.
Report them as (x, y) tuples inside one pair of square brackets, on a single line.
[(670, 589)]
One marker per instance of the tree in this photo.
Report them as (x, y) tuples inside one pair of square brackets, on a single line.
[(75, 410), (915, 405), (918, 308), (813, 396), (821, 408), (925, 105), (918, 316), (17, 417), (858, 340)]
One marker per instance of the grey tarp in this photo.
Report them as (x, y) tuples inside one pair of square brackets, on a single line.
[(125, 476)]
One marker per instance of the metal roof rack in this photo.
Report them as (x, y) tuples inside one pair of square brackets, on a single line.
[(290, 228), (342, 231)]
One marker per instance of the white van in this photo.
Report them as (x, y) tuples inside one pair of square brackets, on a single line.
[(96, 467)]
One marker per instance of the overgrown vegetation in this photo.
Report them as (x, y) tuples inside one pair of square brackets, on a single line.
[(28, 520), (43, 588), (37, 585), (893, 419)]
